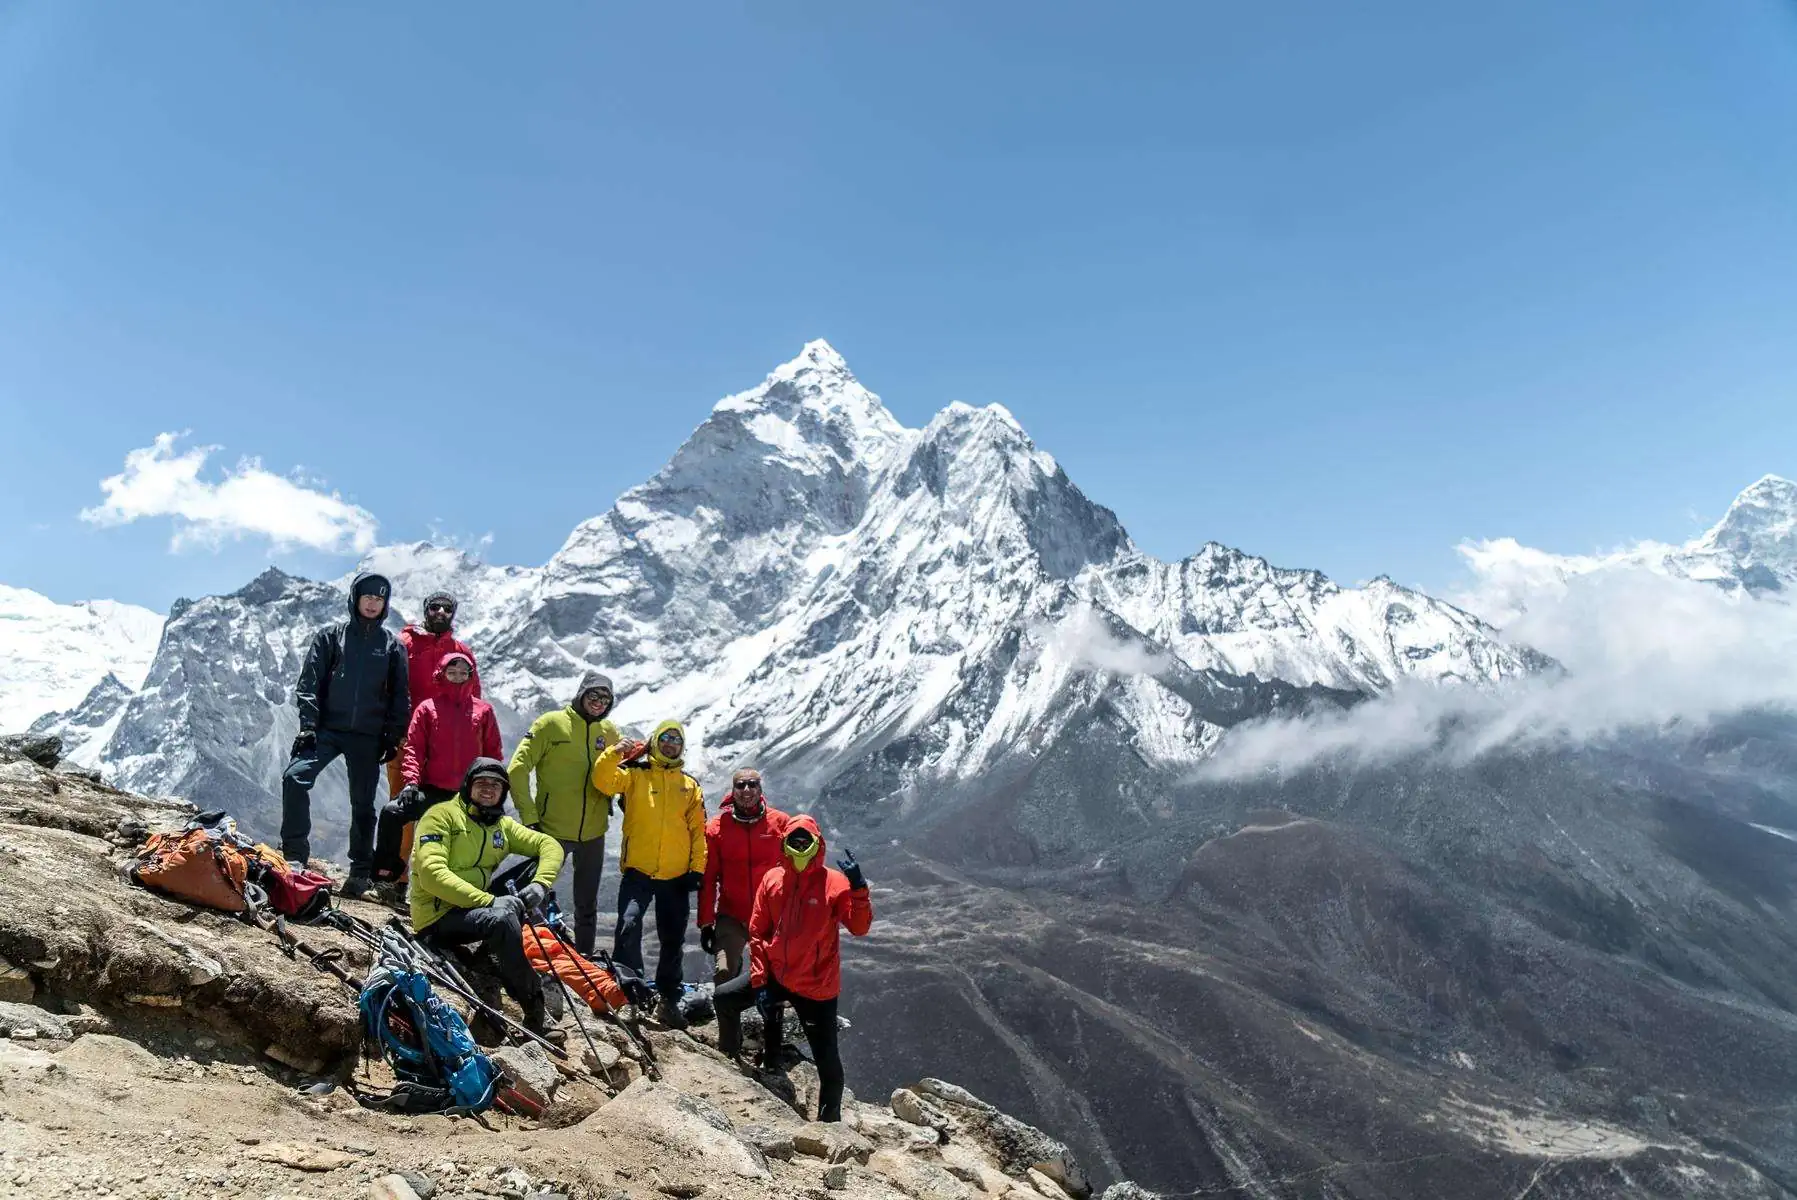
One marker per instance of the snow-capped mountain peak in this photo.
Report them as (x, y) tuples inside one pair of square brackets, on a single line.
[(1759, 528), (818, 589)]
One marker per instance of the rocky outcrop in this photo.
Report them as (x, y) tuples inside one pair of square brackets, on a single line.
[(83, 935), (43, 749)]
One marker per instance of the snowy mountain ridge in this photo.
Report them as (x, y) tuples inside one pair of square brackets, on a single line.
[(52, 655), (862, 606)]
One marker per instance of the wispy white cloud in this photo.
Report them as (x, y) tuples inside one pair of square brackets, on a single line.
[(1641, 648), (246, 501), (1083, 638)]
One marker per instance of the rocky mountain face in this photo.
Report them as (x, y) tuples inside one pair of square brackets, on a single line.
[(52, 655), (1553, 974)]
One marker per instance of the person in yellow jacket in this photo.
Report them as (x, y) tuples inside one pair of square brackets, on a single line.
[(560, 750), (458, 845), (663, 857)]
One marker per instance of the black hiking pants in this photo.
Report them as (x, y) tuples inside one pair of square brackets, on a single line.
[(395, 816), (637, 893), (582, 893), (361, 754), (501, 940), (816, 1017)]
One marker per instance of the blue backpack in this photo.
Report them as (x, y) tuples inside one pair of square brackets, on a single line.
[(439, 1067)]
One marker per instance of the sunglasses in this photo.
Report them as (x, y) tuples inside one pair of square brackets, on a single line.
[(798, 839), (749, 785), (443, 608)]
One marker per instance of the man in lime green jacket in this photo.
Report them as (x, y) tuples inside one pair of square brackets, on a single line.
[(560, 751), (458, 845), (664, 852)]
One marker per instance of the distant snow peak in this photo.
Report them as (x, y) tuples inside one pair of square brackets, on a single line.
[(52, 655), (1760, 527), (1751, 551)]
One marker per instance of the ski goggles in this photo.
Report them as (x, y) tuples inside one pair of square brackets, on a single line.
[(800, 840), (670, 744)]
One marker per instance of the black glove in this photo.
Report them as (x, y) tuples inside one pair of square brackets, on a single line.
[(510, 906), (306, 740), (389, 751), (708, 939), (694, 880), (848, 866), (533, 895), (410, 797)]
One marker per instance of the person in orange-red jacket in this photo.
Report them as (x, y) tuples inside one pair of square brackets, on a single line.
[(451, 729), (794, 954), (427, 646), (742, 844)]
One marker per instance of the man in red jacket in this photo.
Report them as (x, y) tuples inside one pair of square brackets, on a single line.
[(742, 844), (794, 951), (451, 729), (426, 648)]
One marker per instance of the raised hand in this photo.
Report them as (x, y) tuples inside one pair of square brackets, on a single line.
[(849, 867)]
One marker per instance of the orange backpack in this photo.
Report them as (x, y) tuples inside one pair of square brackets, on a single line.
[(199, 864)]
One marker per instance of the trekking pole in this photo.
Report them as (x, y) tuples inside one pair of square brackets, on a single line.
[(435, 968), (650, 1068), (329, 961), (567, 995)]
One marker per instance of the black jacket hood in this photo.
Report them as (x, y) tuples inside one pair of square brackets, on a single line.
[(370, 583)]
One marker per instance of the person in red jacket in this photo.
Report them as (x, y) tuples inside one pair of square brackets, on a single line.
[(742, 844), (794, 954), (427, 646), (451, 729)]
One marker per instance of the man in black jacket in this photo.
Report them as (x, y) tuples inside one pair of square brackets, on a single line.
[(352, 702)]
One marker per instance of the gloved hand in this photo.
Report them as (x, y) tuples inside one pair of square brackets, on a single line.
[(410, 796), (533, 895), (389, 751), (708, 939), (307, 740), (694, 880), (512, 906), (848, 866), (630, 749)]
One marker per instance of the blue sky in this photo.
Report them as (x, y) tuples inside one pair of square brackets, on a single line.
[(1339, 284)]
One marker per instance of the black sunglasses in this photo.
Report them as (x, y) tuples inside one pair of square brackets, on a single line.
[(749, 785), (448, 608), (799, 839)]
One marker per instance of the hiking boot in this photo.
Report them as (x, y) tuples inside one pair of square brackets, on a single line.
[(355, 887), (536, 1019), (668, 1014)]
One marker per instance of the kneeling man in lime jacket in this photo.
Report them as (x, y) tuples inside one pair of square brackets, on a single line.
[(458, 846)]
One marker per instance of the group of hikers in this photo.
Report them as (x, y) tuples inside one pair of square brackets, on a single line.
[(768, 903)]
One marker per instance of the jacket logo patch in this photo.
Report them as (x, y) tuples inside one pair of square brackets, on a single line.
[(431, 837), (498, 840)]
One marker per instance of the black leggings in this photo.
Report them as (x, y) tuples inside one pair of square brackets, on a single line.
[(816, 1017)]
